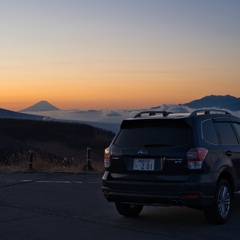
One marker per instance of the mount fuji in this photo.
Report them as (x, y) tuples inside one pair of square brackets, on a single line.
[(40, 106)]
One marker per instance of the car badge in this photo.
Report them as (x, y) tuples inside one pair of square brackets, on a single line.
[(143, 152)]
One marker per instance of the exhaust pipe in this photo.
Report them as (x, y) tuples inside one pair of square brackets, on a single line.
[(181, 203), (111, 199), (174, 202)]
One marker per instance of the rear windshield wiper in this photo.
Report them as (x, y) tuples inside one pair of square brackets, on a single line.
[(157, 145)]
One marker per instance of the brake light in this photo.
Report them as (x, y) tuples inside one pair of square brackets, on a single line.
[(195, 157), (107, 157), (106, 191)]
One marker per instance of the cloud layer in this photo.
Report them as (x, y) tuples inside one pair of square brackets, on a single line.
[(113, 115)]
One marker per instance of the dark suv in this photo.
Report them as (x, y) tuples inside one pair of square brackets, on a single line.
[(166, 159)]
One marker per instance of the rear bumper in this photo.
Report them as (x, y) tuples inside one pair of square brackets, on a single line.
[(149, 193), (158, 200)]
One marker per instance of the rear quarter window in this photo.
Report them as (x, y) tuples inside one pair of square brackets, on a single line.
[(209, 133), (237, 127), (226, 133)]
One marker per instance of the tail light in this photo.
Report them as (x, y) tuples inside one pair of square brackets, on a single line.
[(195, 157), (107, 157)]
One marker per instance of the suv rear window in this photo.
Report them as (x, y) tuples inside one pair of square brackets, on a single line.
[(153, 133)]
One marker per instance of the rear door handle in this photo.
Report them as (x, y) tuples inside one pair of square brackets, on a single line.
[(228, 153)]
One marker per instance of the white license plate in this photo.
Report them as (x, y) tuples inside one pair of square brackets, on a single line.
[(143, 164)]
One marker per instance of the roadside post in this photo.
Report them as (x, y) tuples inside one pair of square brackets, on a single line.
[(30, 159), (89, 166)]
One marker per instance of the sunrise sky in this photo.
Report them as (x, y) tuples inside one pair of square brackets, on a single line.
[(98, 54)]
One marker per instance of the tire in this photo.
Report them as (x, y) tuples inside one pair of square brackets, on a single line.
[(220, 211), (128, 210)]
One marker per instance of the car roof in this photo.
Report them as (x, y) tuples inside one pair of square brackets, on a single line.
[(199, 115), (158, 116), (204, 113)]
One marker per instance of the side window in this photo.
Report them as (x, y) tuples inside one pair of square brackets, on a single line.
[(237, 127), (226, 133), (209, 132)]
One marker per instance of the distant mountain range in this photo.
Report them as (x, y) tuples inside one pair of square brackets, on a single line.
[(218, 101), (223, 102), (226, 102), (213, 101), (40, 106)]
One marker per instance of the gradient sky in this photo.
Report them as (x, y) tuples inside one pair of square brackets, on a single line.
[(97, 54)]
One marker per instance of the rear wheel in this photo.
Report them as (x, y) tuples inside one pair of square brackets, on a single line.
[(128, 210), (220, 211)]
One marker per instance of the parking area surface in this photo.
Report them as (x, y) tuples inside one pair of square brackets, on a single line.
[(71, 206)]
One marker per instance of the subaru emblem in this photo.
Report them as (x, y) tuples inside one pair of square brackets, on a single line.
[(143, 152)]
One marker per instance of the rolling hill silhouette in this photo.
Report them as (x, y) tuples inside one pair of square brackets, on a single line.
[(11, 114)]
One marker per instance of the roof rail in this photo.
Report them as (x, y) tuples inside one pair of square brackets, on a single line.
[(152, 113), (207, 111)]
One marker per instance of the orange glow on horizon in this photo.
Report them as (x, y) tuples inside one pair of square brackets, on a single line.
[(111, 95), (112, 85)]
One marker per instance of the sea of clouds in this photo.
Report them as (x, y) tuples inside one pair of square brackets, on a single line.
[(112, 115)]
